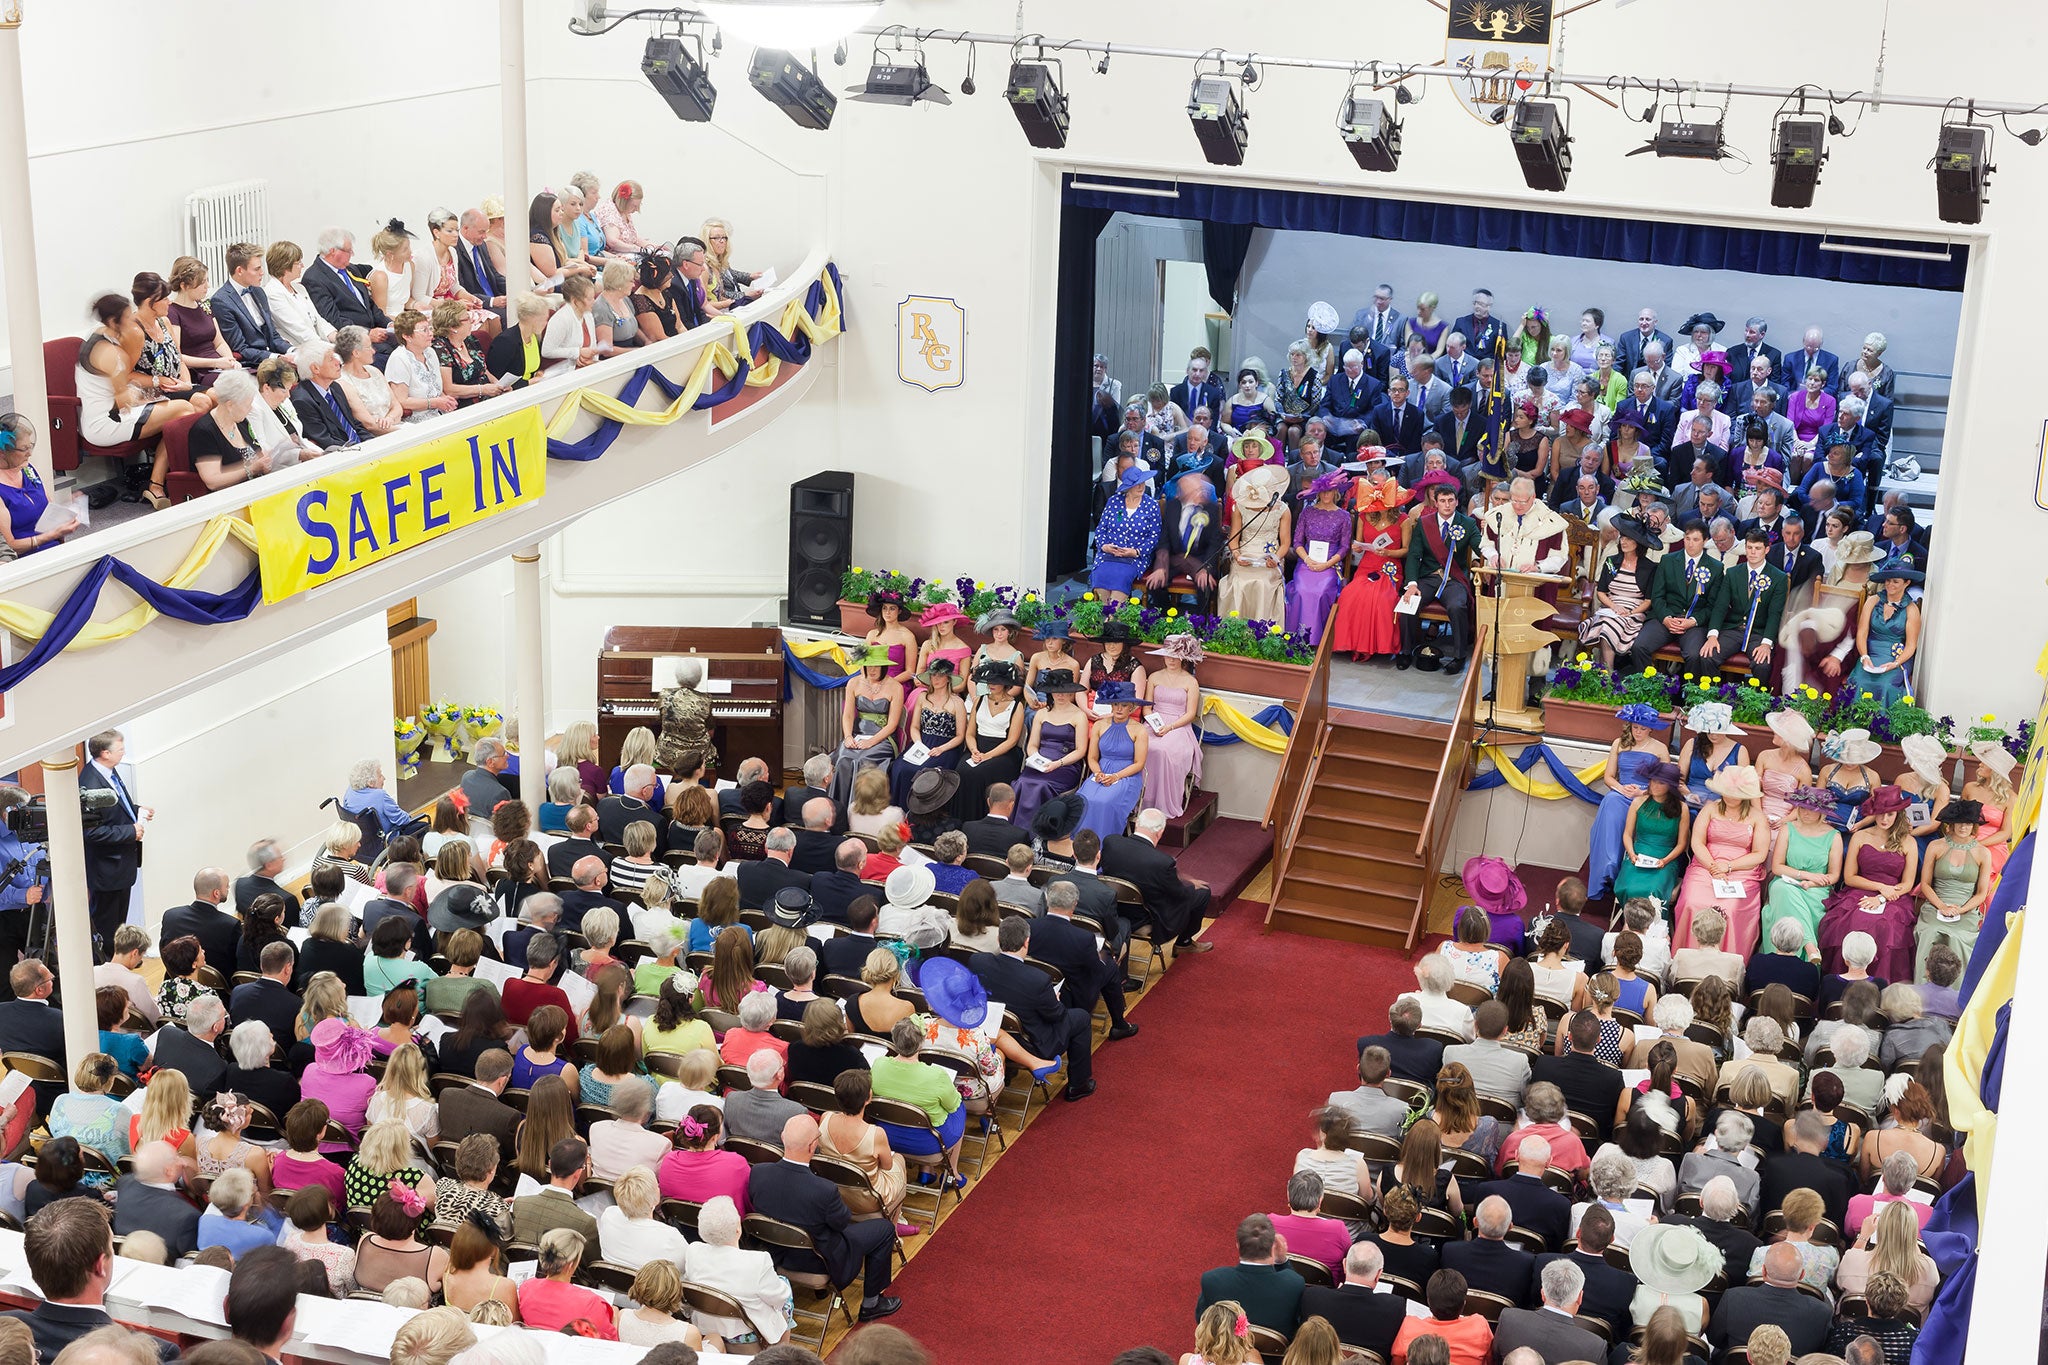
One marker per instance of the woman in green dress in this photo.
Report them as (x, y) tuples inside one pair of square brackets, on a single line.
[(1657, 831), (1955, 882), (1807, 863)]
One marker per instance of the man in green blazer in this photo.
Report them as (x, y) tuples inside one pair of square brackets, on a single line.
[(1262, 1283), (1685, 595), (1752, 600), (1439, 569)]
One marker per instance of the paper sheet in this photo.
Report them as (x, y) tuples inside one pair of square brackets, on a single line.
[(1319, 549), (917, 754), (496, 972), (11, 1088), (579, 991), (355, 895), (57, 513), (764, 281), (195, 1291), (1038, 763), (360, 1326), (1407, 606), (1728, 888), (366, 1010)]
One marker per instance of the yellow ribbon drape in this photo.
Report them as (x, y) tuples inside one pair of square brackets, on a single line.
[(1538, 788), (812, 649), (30, 622), (1244, 727), (716, 361)]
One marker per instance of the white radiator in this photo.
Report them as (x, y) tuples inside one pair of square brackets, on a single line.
[(219, 216)]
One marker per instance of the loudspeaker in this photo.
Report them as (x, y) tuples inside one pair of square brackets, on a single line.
[(820, 546)]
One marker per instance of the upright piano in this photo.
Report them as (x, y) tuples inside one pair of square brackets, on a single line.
[(746, 721)]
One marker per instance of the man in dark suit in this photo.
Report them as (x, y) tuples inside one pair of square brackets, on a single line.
[(614, 813), (581, 843), (1534, 1204), (1457, 366), (1398, 421), (1692, 448), (479, 1107), (1665, 382), (262, 1305), (1685, 599), (323, 411), (816, 845), (217, 931), (242, 311), (591, 876), (1804, 1318), (1590, 1086), (339, 297), (1480, 328), (1380, 319), (1745, 352), (270, 996), (1752, 600), (1050, 1028), (1550, 1329), (473, 266), (70, 1250), (995, 834), (1098, 897), (1877, 409), (817, 778), (113, 848), (1191, 536), (1810, 356), (1087, 973), (1415, 1058), (149, 1200), (1487, 1261), (688, 291), (396, 903), (790, 1192), (30, 1023), (1176, 906), (1629, 346), (1722, 1222), (839, 886), (1760, 375), (1262, 1283), (1349, 399), (194, 1047), (1584, 498), (1362, 1316), (1801, 1166), (1199, 389), (756, 770), (1657, 418), (1460, 428), (266, 861), (1792, 556), (759, 881), (1439, 570), (844, 953), (1609, 1292)]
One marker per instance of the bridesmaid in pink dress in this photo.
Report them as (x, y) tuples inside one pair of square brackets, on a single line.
[(1879, 873), (1175, 752), (1991, 786), (1731, 841), (1783, 767)]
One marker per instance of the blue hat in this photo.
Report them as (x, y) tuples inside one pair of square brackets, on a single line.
[(1117, 692), (953, 992), (1643, 714), (1131, 478), (1053, 628), (1898, 569)]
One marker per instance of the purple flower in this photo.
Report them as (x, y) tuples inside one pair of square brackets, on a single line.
[(1261, 629)]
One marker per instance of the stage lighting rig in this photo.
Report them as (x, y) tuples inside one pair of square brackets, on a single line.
[(792, 87), (674, 66), (898, 74), (1540, 128), (1216, 109), (1962, 172), (1036, 98), (1370, 131)]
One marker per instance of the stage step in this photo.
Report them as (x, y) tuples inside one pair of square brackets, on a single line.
[(1187, 827), (1384, 925)]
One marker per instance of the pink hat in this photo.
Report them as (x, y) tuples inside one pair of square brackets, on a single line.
[(938, 612), (1493, 886), (340, 1047)]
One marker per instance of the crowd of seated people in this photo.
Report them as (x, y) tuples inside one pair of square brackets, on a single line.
[(1666, 1140), (302, 351), (1403, 471)]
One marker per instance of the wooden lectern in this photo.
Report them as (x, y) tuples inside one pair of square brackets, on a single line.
[(1510, 614)]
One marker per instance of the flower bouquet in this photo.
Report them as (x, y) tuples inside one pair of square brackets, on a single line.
[(481, 722), (410, 735), (443, 720)]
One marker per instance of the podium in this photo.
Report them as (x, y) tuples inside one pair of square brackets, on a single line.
[(1510, 613)]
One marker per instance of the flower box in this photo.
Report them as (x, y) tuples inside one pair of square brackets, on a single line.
[(1586, 722), (854, 619)]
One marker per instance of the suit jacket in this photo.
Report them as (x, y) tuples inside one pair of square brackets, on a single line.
[(1536, 1206), (1098, 897), (273, 1003), (1362, 1317), (218, 931), (470, 1109), (1738, 399), (564, 856), (1805, 564), (1792, 370), (1427, 552), (56, 1325), (1185, 550), (1877, 416), (201, 1062), (1496, 1070), (1668, 384), (1066, 945), (1493, 1266), (815, 849), (1741, 353), (113, 852), (1804, 1318), (1678, 465), (1628, 348), (167, 1213), (37, 1026), (543, 1212), (1784, 1172), (1778, 436), (1457, 369), (1735, 608), (1404, 433), (375, 912), (250, 887), (1209, 395), (473, 269), (1659, 419), (843, 955), (614, 813), (342, 300), (793, 1194), (1608, 1291), (1270, 1295), (577, 904), (832, 891), (323, 426), (1590, 1086), (1736, 1243), (1153, 871), (1351, 401), (249, 333), (1416, 1058), (760, 880), (1685, 498), (1479, 336), (1028, 993), (1463, 449), (1672, 595), (1552, 1335), (1390, 329), (993, 836), (791, 802)]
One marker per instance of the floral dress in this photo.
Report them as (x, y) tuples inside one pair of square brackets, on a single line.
[(176, 995), (968, 1043), (467, 373)]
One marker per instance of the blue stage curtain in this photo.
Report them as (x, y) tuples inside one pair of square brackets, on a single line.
[(180, 604), (1658, 241)]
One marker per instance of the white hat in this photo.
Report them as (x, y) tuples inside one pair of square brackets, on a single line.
[(1323, 317), (1854, 747), (1712, 718), (1924, 755), (1791, 727), (910, 886), (1994, 756)]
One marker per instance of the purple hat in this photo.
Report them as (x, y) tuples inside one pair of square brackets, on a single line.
[(1811, 798), (1493, 886), (1332, 482), (1666, 772)]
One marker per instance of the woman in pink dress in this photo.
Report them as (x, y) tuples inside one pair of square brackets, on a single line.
[(1782, 768), (1879, 872), (1731, 842), (1175, 752)]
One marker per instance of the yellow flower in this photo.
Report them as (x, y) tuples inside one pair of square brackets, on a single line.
[(1866, 696), (1583, 657), (1233, 613), (1087, 597), (1030, 597), (1688, 677), (1908, 699), (858, 569), (980, 585), (1988, 718), (1649, 671), (1173, 611)]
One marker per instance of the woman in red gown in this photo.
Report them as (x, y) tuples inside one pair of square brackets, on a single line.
[(1364, 622)]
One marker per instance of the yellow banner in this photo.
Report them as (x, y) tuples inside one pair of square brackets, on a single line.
[(363, 513)]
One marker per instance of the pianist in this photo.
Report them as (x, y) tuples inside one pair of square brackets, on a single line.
[(686, 722)]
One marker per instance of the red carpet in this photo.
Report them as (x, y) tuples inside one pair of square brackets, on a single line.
[(1090, 1236)]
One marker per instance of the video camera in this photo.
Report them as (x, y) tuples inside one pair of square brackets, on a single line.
[(31, 823)]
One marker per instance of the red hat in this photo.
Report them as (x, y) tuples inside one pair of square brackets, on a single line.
[(1578, 419)]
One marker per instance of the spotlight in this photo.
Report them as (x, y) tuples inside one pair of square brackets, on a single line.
[(1217, 112), (1370, 132), (1694, 139), (1038, 102), (1799, 149), (792, 87), (678, 76), (890, 83), (1962, 170), (839, 53), (1541, 131)]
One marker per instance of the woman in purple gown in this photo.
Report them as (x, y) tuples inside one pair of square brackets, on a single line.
[(1056, 746), (1326, 527), (1879, 873)]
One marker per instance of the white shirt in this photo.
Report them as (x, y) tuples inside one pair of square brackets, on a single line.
[(422, 1117), (298, 321), (674, 1100), (420, 375), (688, 883), (749, 1277), (273, 438), (633, 1242), (139, 994)]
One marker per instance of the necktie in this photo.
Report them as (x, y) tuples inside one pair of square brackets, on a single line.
[(348, 428), (1444, 530), (255, 308), (349, 280), (1689, 568), (1379, 323), (483, 268), (121, 792)]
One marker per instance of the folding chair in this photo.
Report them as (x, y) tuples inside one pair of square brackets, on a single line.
[(913, 1118), (772, 1232), (756, 1152), (1486, 1304), (851, 1179), (1270, 1345), (981, 1103)]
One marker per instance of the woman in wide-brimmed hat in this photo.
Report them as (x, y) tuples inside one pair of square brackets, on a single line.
[(1673, 1262), (1730, 842), (1879, 874), (1783, 766), (868, 721), (1055, 633), (1925, 784), (1116, 761), (942, 619), (1991, 787), (1848, 775), (1056, 748), (1643, 743), (995, 737), (1322, 526), (1955, 882), (935, 729), (1261, 525), (1499, 897), (1887, 636), (1655, 838), (1714, 745), (890, 631), (1364, 623), (1173, 757), (1622, 594), (1125, 536), (998, 624), (1806, 863)]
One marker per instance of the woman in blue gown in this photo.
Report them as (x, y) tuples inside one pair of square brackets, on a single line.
[(1059, 737), (1116, 761), (1889, 635), (1628, 767), (1715, 743)]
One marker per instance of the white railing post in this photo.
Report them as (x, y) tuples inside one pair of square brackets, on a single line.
[(18, 245), (70, 913), (512, 137)]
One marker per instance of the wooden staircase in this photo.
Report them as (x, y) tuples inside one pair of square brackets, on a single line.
[(1360, 815)]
